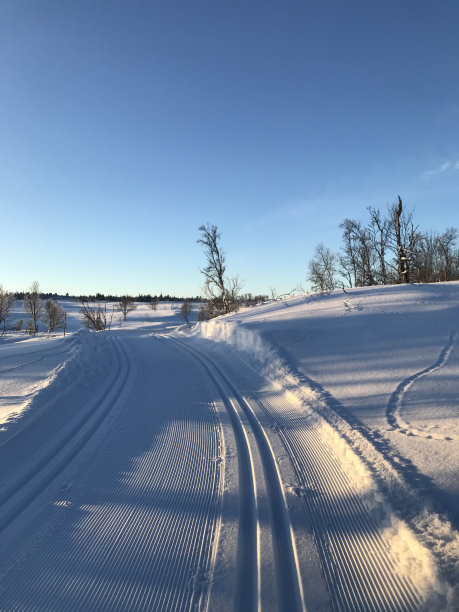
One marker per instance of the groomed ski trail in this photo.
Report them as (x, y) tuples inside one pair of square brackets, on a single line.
[(363, 570), (132, 504), (257, 478), (123, 512)]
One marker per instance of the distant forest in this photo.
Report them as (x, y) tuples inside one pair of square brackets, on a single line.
[(101, 297)]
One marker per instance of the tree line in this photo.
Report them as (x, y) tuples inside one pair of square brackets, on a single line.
[(46, 311), (389, 249), (97, 312), (108, 297), (145, 298)]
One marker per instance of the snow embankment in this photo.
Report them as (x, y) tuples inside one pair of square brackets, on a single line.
[(27, 367), (35, 373), (422, 546)]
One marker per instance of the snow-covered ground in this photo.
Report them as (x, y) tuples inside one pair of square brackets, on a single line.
[(28, 364), (302, 454), (385, 359)]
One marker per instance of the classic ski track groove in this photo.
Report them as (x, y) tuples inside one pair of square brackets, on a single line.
[(48, 355), (360, 568), (71, 342), (15, 427), (42, 468), (25, 365), (395, 403), (135, 545), (360, 571), (248, 571), (243, 418)]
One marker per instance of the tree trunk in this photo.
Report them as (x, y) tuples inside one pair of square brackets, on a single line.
[(403, 268)]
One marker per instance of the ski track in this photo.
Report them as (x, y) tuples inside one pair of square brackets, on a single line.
[(48, 355), (360, 569), (137, 532), (71, 341), (33, 474), (29, 363), (137, 526), (244, 422), (394, 406)]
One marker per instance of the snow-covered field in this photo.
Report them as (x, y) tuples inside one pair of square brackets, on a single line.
[(302, 454)]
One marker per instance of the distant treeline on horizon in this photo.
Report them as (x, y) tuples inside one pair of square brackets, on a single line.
[(100, 297)]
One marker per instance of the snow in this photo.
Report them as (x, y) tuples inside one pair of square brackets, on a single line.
[(382, 362), (298, 454), (379, 353), (28, 364)]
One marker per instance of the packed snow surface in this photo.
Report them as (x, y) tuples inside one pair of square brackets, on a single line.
[(301, 454)]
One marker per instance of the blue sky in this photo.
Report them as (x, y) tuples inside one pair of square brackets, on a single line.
[(125, 125)]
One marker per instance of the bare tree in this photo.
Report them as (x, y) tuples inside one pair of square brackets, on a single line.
[(348, 258), (154, 303), (435, 257), (295, 291), (448, 254), (233, 293), (206, 311), (379, 234), (95, 315), (404, 240), (358, 256), (214, 272), (322, 270), (7, 301), (126, 305), (185, 310), (402, 254), (53, 316), (222, 293), (33, 306)]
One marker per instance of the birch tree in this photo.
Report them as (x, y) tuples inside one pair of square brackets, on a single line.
[(33, 306)]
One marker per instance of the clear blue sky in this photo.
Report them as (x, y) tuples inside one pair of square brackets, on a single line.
[(124, 125)]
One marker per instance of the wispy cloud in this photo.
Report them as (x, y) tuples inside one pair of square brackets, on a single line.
[(443, 168), (447, 165)]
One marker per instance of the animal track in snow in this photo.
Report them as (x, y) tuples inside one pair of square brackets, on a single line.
[(395, 403)]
